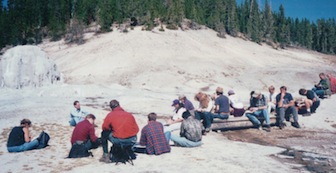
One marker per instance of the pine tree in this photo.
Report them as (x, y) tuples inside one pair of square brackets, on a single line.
[(268, 23), (105, 14)]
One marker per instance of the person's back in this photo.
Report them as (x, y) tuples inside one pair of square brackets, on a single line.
[(223, 102), (84, 131), (191, 129), (16, 137), (153, 137)]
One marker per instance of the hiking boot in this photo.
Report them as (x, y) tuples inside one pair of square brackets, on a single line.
[(282, 125), (207, 130), (105, 158), (296, 125), (267, 128)]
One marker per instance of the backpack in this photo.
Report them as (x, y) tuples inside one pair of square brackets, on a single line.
[(122, 154), (78, 151), (43, 140)]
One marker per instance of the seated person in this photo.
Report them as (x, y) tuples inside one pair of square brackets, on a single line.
[(222, 105), (323, 87), (187, 104), (190, 133), (285, 107), (77, 114), (19, 138), (203, 113), (84, 133), (258, 107), (332, 80), (153, 137), (271, 99), (312, 102), (174, 123), (236, 106), (119, 127)]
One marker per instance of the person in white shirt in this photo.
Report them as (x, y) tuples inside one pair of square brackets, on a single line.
[(203, 113), (271, 99), (77, 114), (174, 123), (236, 105)]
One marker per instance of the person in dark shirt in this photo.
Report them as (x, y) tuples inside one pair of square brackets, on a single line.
[(222, 105), (312, 102), (84, 132), (284, 107), (153, 137), (19, 138)]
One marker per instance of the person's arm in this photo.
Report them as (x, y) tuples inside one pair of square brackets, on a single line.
[(143, 139), (92, 134), (265, 103), (27, 136)]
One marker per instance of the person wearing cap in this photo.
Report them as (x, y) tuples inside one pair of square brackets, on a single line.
[(84, 133), (284, 107), (187, 104), (119, 127), (258, 108), (77, 114), (190, 133), (174, 123), (19, 139), (271, 99), (222, 105), (236, 105)]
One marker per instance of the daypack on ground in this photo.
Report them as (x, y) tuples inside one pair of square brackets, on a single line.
[(78, 151), (122, 154), (43, 140)]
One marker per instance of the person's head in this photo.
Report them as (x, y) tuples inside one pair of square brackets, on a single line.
[(322, 76), (256, 94), (271, 89), (76, 104), (91, 118), (152, 116), (251, 93), (302, 91), (219, 90), (25, 123), (182, 98), (231, 92), (114, 104), (176, 103), (283, 89), (186, 115)]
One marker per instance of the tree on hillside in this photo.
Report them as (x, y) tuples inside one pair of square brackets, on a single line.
[(254, 22), (59, 16), (283, 31), (268, 23), (175, 11), (231, 18), (105, 16)]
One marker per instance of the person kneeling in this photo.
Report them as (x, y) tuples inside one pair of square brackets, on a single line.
[(191, 132), (84, 138)]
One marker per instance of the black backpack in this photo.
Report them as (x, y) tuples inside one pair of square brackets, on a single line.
[(122, 154), (78, 151), (43, 140)]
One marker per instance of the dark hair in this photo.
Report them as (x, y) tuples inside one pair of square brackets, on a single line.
[(283, 87), (114, 104), (152, 116), (75, 102), (186, 114), (25, 121), (302, 91), (90, 116), (251, 93)]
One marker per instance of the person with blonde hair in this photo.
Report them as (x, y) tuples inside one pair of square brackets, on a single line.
[(271, 99), (203, 112)]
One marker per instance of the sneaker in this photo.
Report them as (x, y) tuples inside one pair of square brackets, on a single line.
[(296, 125), (267, 128), (105, 158), (259, 127), (207, 130)]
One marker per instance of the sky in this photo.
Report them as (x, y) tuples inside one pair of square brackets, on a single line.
[(310, 9)]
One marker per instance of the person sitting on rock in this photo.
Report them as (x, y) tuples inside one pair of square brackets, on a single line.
[(203, 112), (312, 102), (258, 108), (187, 104), (286, 107), (236, 105), (222, 105), (323, 87), (271, 99)]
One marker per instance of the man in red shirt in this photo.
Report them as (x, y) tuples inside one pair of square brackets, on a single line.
[(119, 127), (84, 132)]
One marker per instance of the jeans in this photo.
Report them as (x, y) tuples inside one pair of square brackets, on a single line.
[(172, 127), (315, 105), (24, 147), (107, 135), (72, 122), (167, 135), (184, 142), (253, 117), (281, 112), (220, 116), (205, 116), (319, 92)]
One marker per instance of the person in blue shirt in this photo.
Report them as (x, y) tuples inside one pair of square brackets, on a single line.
[(77, 114), (284, 107)]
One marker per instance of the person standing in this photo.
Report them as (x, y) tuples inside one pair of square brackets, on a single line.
[(153, 137), (19, 139), (119, 127), (77, 114), (285, 107)]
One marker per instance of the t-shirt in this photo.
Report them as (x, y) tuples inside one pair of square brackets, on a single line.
[(287, 98), (178, 114), (188, 105), (311, 95), (16, 137), (223, 102)]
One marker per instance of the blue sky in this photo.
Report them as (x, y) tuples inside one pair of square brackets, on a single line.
[(310, 9)]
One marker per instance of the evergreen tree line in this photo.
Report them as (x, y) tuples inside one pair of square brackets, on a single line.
[(29, 21)]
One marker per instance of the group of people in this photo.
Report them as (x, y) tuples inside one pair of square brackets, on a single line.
[(190, 123)]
